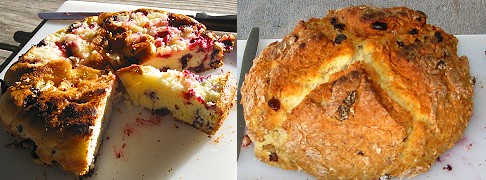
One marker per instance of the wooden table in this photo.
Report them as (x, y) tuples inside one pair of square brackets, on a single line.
[(21, 15)]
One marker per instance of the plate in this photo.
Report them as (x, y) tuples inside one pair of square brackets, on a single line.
[(466, 159), (137, 144)]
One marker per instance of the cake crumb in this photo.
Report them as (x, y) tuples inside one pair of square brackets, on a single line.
[(246, 141), (216, 140), (448, 167)]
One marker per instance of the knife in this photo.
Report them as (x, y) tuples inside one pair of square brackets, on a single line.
[(246, 63), (219, 23)]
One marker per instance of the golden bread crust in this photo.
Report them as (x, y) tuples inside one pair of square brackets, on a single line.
[(361, 93)]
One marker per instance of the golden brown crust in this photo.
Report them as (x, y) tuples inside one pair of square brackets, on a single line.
[(55, 104), (225, 102), (412, 95)]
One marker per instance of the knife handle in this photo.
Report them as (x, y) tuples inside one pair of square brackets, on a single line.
[(219, 23)]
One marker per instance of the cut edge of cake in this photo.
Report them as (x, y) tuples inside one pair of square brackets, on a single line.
[(200, 101)]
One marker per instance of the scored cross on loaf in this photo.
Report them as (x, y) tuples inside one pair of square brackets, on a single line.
[(362, 93)]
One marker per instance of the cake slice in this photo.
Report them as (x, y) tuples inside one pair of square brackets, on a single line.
[(200, 101), (61, 110)]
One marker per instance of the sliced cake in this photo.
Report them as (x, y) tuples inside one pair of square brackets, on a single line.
[(58, 94), (150, 37), (200, 101), (61, 110), (164, 40)]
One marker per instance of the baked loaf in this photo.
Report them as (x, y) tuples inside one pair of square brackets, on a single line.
[(200, 101), (60, 91), (362, 93)]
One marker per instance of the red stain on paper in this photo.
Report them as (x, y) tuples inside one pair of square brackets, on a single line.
[(130, 129), (118, 153), (127, 130), (151, 122)]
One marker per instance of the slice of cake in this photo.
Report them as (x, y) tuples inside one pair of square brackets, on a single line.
[(61, 110), (200, 101)]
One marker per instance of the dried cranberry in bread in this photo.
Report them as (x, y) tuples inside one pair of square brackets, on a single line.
[(362, 93)]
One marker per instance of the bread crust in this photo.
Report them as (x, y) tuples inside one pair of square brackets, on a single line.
[(360, 93)]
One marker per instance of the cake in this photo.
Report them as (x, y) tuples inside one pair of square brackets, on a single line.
[(200, 101), (61, 110), (362, 93), (58, 95), (163, 40)]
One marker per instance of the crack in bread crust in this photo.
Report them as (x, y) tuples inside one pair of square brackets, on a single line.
[(411, 77)]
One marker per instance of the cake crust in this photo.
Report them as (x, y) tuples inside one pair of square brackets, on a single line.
[(60, 91), (56, 107), (372, 92)]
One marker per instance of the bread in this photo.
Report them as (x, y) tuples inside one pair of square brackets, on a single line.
[(200, 101), (60, 91), (361, 93)]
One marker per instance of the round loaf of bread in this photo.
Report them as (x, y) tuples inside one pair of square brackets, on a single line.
[(364, 92)]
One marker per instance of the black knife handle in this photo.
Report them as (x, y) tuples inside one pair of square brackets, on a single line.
[(219, 23)]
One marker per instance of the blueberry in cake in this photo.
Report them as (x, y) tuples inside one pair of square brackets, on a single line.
[(200, 101), (60, 92)]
